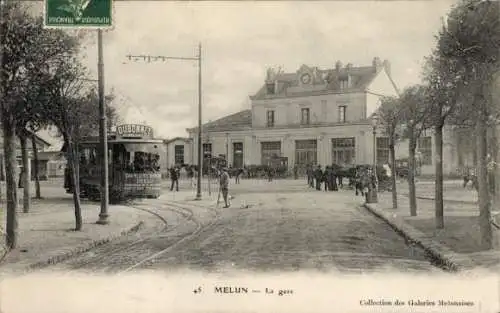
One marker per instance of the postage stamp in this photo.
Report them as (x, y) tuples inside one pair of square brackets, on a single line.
[(78, 13)]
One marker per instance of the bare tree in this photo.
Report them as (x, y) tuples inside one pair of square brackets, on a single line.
[(390, 113), (415, 114), (444, 79)]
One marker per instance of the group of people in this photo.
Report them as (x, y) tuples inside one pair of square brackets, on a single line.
[(223, 180), (317, 176)]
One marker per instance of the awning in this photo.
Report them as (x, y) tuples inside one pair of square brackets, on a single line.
[(143, 147)]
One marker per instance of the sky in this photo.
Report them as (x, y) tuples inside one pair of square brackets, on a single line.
[(239, 41)]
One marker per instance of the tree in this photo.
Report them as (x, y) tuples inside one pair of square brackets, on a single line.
[(444, 79), (473, 41), (415, 115), (26, 46), (73, 108), (390, 113)]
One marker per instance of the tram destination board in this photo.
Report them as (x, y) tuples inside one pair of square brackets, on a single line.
[(78, 13), (134, 130)]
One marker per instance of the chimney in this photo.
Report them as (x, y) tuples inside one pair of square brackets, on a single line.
[(387, 66), (338, 65), (270, 81), (271, 87), (377, 64)]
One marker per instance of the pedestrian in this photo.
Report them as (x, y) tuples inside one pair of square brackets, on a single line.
[(174, 177), (224, 186), (295, 172), (310, 175), (318, 176), (333, 179), (270, 173), (237, 175), (325, 177)]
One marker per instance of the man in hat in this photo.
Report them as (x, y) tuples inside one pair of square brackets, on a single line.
[(224, 185)]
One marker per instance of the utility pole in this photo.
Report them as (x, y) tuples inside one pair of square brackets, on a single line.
[(151, 58), (103, 134)]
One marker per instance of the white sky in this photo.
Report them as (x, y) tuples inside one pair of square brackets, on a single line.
[(240, 39)]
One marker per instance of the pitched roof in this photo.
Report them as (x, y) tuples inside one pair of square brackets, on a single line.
[(325, 81), (238, 121), (52, 137), (167, 141)]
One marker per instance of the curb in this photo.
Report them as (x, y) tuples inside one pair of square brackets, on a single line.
[(448, 200), (444, 199), (82, 248), (440, 255)]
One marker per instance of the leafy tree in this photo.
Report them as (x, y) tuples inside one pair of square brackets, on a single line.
[(25, 46), (390, 113), (472, 40), (415, 116)]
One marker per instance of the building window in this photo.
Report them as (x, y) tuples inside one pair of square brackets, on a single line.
[(344, 151), (269, 150), (344, 83), (179, 154), (342, 110), (237, 154), (305, 117), (306, 152), (383, 150), (207, 150), (425, 148), (270, 118)]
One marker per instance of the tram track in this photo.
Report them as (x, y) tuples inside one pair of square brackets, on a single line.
[(173, 239), (200, 227)]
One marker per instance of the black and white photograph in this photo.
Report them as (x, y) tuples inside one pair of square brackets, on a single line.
[(249, 156)]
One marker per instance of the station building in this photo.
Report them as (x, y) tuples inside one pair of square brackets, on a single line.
[(319, 116)]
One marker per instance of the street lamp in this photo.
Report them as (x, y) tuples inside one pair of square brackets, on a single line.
[(372, 192)]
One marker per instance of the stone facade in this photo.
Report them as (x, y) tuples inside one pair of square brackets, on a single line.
[(315, 116), (178, 151)]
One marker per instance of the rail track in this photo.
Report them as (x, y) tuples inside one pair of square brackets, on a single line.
[(169, 241)]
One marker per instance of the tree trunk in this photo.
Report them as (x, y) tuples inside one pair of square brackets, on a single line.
[(26, 175), (9, 147), (392, 157), (438, 194), (38, 194), (482, 176), (411, 176), (74, 165)]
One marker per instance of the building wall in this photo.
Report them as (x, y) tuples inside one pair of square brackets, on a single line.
[(170, 152), (324, 109), (381, 85), (222, 142)]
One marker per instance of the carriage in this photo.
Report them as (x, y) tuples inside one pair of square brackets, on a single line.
[(133, 165)]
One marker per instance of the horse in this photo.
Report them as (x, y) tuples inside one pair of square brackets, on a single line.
[(470, 178), (363, 181)]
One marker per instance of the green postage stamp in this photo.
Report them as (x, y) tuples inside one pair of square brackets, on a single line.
[(78, 13)]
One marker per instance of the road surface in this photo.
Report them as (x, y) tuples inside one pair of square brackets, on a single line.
[(267, 230)]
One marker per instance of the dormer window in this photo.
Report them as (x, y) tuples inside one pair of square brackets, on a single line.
[(271, 87), (344, 82)]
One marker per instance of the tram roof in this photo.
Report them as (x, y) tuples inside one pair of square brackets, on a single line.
[(123, 140)]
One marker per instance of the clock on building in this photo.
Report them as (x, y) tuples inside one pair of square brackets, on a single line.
[(305, 78)]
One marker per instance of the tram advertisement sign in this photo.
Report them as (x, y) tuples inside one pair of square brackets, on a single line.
[(78, 13), (134, 130)]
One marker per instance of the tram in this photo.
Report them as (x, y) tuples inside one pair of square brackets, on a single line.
[(133, 164)]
